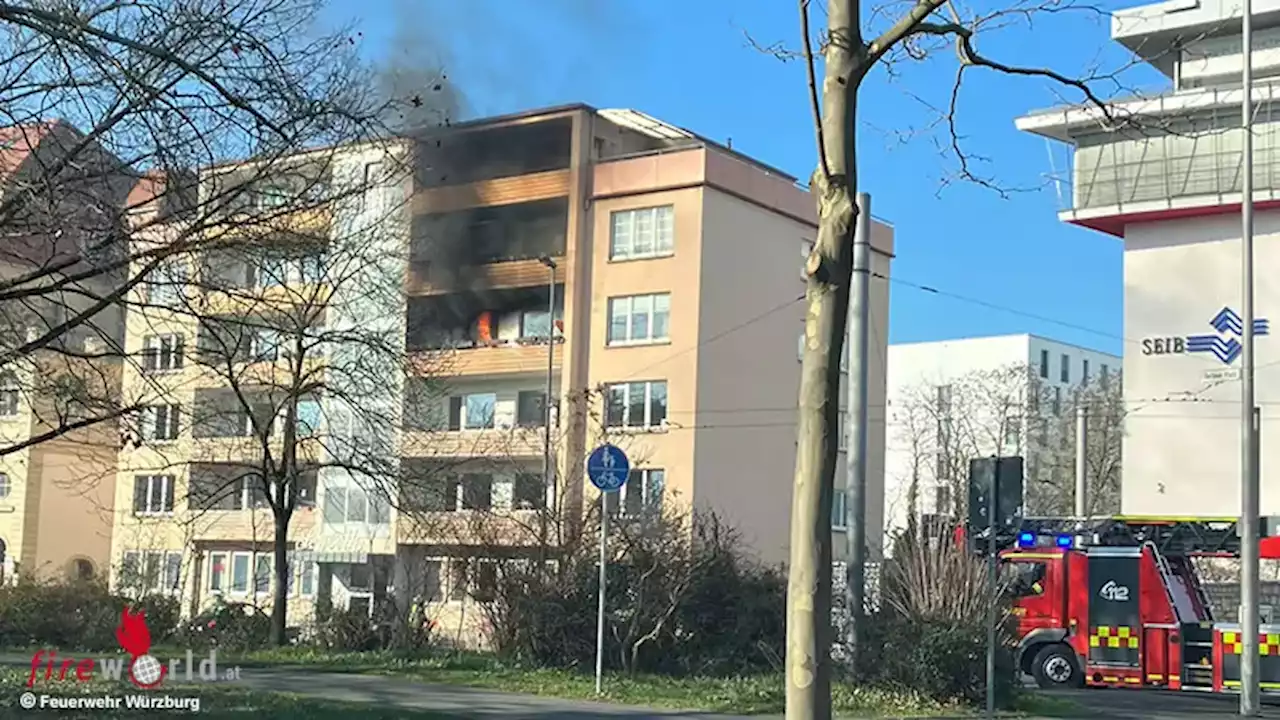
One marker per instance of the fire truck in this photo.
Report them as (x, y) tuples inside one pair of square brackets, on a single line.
[(1117, 602)]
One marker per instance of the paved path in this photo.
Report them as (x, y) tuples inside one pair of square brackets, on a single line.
[(1157, 705)]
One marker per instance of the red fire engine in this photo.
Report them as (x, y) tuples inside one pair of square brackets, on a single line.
[(1116, 602)]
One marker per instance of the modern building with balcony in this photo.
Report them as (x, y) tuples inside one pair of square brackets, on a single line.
[(1163, 174), (645, 275)]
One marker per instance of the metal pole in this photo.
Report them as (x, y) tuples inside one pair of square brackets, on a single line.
[(1082, 461), (604, 543), (1249, 495), (551, 364), (991, 588), (856, 492)]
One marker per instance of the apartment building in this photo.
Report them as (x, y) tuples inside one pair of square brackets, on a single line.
[(646, 275), (974, 397), (56, 485)]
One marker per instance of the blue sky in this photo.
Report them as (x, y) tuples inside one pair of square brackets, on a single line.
[(1002, 265)]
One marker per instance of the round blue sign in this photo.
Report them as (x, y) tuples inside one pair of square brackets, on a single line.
[(608, 467)]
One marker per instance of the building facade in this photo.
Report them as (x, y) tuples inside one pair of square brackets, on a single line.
[(950, 401), (1170, 190), (648, 275), (57, 478)]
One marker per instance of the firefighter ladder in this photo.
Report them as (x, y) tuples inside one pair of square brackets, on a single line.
[(1174, 537)]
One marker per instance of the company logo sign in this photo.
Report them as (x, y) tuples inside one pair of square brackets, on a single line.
[(1114, 592), (1223, 343)]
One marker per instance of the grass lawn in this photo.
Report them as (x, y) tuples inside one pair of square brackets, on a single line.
[(762, 694), (216, 702)]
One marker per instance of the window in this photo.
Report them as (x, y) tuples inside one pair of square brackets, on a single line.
[(308, 418), (432, 580), (5, 486), (1084, 376), (373, 178), (311, 269), (472, 412), (1044, 364), (160, 422), (637, 405), (240, 572), (273, 271), (458, 575), (942, 467), (839, 518), (217, 572), (529, 492), (151, 571), (262, 567), (531, 408), (307, 572), (9, 395), (165, 286), (642, 233), (1104, 373), (942, 400), (264, 345), (639, 319), (942, 499), (1064, 372), (1057, 401), (152, 494), (1023, 579), (535, 324), (476, 491), (162, 352), (353, 505), (643, 492), (842, 427), (1012, 431)]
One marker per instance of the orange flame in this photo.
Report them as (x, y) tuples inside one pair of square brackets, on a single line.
[(133, 635)]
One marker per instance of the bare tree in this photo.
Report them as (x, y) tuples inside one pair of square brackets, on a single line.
[(857, 40), (110, 108), (1010, 411)]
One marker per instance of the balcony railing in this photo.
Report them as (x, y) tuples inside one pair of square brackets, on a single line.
[(1101, 178)]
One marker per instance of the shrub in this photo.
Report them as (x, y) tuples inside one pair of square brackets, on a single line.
[(231, 626), (930, 634), (682, 599), (346, 630), (80, 616)]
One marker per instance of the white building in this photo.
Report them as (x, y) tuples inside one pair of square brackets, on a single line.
[(924, 403), (1172, 194)]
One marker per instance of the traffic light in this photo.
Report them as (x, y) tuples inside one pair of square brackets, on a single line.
[(998, 479)]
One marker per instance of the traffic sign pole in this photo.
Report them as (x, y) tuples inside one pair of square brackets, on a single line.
[(604, 563), (608, 468)]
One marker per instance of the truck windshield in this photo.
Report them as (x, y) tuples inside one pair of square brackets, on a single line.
[(1022, 578)]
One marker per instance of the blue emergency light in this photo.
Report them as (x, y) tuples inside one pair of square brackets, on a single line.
[(1026, 539), (1064, 541)]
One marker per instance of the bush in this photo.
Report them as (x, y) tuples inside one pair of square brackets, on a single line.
[(345, 630), (75, 616), (230, 626), (682, 599), (930, 634)]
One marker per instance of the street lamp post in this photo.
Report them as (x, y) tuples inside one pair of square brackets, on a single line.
[(547, 467), (1249, 481)]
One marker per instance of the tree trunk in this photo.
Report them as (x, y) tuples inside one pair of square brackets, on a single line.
[(280, 593), (829, 270)]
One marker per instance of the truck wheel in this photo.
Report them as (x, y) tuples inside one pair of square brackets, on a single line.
[(1055, 667)]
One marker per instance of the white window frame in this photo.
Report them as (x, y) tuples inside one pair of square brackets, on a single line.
[(258, 559), (648, 505), (301, 571), (166, 483), (231, 574), (225, 583), (160, 586), (309, 427), (157, 417), (625, 305), (163, 353), (264, 345), (659, 222), (839, 515), (171, 278), (463, 422), (10, 395), (648, 423)]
